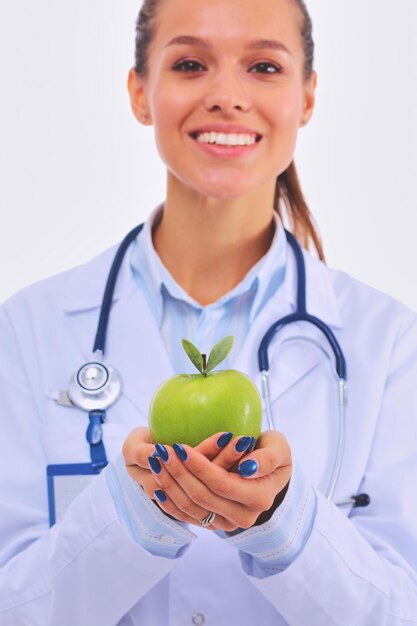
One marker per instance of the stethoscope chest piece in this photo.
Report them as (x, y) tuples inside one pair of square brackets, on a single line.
[(95, 386)]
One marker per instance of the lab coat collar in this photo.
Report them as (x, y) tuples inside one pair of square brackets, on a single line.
[(134, 345), (84, 286)]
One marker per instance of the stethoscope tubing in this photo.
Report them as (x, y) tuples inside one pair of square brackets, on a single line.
[(300, 315), (103, 322)]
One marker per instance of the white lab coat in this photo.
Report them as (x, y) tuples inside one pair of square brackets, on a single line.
[(357, 568)]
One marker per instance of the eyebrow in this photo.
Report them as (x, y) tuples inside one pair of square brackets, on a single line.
[(257, 44)]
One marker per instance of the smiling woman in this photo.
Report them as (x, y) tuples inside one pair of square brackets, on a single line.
[(213, 75), (233, 529), (280, 76)]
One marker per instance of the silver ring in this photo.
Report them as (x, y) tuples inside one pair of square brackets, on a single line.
[(209, 519)]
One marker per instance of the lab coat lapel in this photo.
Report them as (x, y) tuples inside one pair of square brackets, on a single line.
[(288, 366), (136, 349), (133, 344)]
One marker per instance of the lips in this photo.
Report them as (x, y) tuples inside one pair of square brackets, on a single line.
[(226, 143)]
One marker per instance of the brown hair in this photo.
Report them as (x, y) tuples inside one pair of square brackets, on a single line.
[(288, 187)]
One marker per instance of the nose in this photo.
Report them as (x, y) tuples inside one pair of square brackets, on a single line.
[(226, 93)]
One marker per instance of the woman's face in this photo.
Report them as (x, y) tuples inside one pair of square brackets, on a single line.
[(225, 92)]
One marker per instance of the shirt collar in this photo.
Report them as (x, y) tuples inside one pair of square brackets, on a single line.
[(263, 279), (81, 288)]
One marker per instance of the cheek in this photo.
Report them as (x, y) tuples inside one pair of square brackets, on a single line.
[(168, 115), (288, 110), (285, 119)]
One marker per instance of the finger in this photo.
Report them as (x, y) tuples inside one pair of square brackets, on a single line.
[(187, 492), (138, 447), (168, 484), (254, 495), (211, 446), (273, 455), (146, 480), (225, 451), (228, 457), (143, 478), (169, 507), (209, 485)]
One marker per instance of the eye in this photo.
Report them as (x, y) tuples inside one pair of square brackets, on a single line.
[(188, 65), (265, 67)]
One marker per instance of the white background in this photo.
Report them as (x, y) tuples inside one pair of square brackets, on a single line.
[(77, 171)]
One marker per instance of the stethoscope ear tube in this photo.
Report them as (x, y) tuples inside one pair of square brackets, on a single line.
[(100, 340)]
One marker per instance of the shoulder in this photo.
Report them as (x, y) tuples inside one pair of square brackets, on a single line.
[(363, 306), (83, 284), (354, 294)]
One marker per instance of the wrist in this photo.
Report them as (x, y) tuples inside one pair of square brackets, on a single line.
[(265, 516)]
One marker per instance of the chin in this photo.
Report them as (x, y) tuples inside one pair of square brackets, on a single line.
[(225, 189)]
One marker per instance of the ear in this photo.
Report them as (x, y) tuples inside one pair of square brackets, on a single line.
[(309, 99), (138, 101)]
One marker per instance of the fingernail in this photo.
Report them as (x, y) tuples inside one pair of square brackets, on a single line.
[(251, 445), (242, 444), (224, 439), (180, 452), (154, 464), (159, 495), (247, 468), (162, 451)]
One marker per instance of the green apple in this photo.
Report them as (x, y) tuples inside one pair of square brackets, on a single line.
[(188, 408)]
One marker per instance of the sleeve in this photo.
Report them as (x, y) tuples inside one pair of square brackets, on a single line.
[(269, 548), (147, 525), (70, 573), (361, 570)]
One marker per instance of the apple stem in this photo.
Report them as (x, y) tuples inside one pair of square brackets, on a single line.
[(204, 364)]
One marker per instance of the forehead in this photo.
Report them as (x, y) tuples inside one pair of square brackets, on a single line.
[(229, 22)]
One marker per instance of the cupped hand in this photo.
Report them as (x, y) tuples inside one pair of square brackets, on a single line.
[(138, 448), (190, 482)]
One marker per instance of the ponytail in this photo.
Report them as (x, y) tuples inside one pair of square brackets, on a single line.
[(300, 220)]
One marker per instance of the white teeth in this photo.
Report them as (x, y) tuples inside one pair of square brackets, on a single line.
[(229, 139)]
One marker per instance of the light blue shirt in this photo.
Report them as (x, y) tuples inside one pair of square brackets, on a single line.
[(266, 549), (179, 316)]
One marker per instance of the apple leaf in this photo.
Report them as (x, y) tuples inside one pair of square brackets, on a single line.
[(219, 352), (193, 354)]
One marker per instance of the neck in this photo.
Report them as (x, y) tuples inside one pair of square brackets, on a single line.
[(209, 244)]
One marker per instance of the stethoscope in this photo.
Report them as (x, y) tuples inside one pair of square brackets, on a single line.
[(96, 386)]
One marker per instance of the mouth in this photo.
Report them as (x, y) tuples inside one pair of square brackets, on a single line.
[(226, 140)]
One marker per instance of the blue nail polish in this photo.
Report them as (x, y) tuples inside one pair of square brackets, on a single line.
[(180, 452), (159, 495), (242, 444), (224, 439), (154, 464), (162, 451), (251, 445), (247, 468)]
